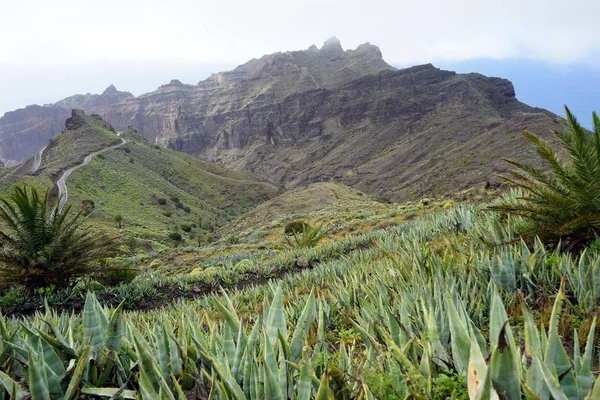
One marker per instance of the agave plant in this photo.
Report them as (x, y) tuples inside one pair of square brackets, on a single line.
[(44, 246), (564, 201)]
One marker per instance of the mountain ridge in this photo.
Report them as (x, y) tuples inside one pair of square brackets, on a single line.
[(300, 117)]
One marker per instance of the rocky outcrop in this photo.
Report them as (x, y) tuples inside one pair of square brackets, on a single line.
[(299, 117), (26, 130)]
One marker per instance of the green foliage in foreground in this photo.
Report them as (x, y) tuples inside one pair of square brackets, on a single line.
[(412, 317), (563, 203), (45, 247)]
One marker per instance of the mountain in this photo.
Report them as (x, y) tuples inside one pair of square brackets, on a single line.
[(347, 116), (156, 191), (25, 131)]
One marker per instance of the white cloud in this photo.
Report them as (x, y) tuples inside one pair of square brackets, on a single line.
[(40, 37)]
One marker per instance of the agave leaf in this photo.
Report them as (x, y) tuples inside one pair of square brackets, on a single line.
[(37, 380), (460, 341), (225, 375), (146, 361), (13, 388), (478, 379), (92, 326), (272, 387), (276, 319), (77, 374), (533, 374), (305, 382), (555, 356), (229, 312), (505, 379), (61, 346), (302, 328), (115, 330), (551, 380), (595, 393), (239, 351), (585, 377), (112, 393), (324, 392)]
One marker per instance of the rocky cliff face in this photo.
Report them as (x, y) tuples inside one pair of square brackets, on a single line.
[(27, 130), (328, 114)]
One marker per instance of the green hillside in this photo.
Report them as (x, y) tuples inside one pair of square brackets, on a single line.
[(159, 191), (155, 193)]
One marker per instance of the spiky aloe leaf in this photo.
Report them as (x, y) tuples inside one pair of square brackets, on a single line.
[(93, 332), (479, 382), (71, 392), (459, 339), (555, 356), (324, 392), (551, 380), (533, 375), (505, 379), (250, 362), (146, 361), (225, 375), (14, 389), (228, 345), (595, 393), (37, 380), (178, 389), (305, 381), (162, 350), (585, 377), (59, 345), (229, 314), (272, 387), (275, 321), (112, 393), (239, 352), (302, 327), (115, 330)]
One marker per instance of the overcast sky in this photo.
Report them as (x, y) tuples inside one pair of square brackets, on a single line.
[(52, 49)]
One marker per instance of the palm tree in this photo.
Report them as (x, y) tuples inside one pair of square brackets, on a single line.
[(562, 203), (43, 246), (119, 220)]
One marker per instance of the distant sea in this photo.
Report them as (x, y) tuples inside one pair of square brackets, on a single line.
[(544, 85)]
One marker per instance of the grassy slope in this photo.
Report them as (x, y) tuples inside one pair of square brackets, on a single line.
[(343, 212), (130, 181)]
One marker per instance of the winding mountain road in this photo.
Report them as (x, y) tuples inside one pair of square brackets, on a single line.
[(63, 193), (38, 159)]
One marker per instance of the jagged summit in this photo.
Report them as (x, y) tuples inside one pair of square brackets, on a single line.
[(332, 44), (110, 90)]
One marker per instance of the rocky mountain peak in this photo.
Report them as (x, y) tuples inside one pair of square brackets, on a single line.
[(368, 49), (332, 44), (76, 120), (110, 90)]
